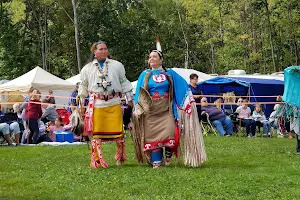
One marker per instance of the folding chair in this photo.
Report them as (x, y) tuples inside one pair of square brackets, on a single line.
[(2, 139), (206, 125), (259, 125)]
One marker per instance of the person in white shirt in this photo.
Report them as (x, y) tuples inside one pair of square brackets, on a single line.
[(273, 119), (245, 115)]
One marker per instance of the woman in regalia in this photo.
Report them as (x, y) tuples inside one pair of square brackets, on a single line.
[(165, 111)]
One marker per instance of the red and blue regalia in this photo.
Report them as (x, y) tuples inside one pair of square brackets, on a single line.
[(165, 114)]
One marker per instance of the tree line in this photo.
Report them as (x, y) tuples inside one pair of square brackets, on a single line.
[(212, 36)]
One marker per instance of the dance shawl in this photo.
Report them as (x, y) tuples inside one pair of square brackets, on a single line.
[(289, 110)]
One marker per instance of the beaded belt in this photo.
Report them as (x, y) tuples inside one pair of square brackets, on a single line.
[(159, 95), (106, 97)]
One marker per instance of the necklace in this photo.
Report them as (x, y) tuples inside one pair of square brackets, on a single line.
[(102, 73), (159, 69)]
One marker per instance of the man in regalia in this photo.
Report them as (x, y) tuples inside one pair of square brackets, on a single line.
[(104, 80)]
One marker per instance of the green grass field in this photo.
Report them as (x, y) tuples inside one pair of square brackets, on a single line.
[(238, 168)]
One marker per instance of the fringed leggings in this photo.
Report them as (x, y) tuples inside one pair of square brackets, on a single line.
[(97, 158)]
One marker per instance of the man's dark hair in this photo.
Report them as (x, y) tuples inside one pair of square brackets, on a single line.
[(192, 76)]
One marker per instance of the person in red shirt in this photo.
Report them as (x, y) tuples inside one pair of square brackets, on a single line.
[(33, 113)]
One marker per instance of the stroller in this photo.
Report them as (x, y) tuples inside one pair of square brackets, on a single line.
[(64, 114)]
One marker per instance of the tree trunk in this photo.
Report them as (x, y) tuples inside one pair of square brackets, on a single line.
[(186, 62), (49, 50), (221, 24), (245, 55), (261, 46), (296, 50), (45, 38), (270, 34), (253, 33), (212, 59), (76, 36), (42, 38), (294, 37), (245, 39), (1, 10)]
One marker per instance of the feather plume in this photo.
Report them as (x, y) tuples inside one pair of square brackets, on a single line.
[(158, 44)]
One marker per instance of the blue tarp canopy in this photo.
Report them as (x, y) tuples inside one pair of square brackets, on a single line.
[(220, 85)]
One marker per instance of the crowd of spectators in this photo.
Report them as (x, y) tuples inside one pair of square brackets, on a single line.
[(233, 115), (38, 120), (32, 122)]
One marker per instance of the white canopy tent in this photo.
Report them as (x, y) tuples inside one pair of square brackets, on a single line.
[(184, 73), (74, 79), (3, 81), (42, 80), (37, 78)]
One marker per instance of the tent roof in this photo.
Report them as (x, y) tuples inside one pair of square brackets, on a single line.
[(74, 79), (185, 73), (37, 78), (3, 81), (259, 80), (260, 76), (219, 85), (224, 81)]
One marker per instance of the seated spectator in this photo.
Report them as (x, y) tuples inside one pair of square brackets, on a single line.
[(7, 126), (230, 106), (22, 122), (239, 102), (58, 126), (259, 116), (72, 98), (245, 117), (50, 97), (218, 103), (273, 119), (43, 136), (50, 113), (217, 117), (231, 109)]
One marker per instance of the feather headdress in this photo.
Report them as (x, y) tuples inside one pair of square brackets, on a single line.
[(158, 44)]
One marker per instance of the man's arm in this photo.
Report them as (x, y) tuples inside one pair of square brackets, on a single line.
[(125, 84), (83, 86)]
